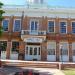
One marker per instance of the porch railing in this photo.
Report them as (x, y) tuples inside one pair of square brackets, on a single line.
[(33, 32)]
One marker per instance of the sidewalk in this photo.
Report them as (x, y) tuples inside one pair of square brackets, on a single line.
[(42, 71)]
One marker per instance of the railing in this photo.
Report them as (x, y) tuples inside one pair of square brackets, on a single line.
[(33, 32)]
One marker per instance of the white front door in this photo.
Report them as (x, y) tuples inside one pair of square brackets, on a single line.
[(32, 52)]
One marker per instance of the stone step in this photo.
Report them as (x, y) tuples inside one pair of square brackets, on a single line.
[(31, 64)]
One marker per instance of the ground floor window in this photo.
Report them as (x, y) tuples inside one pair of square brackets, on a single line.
[(14, 51), (51, 48), (3, 46), (15, 47)]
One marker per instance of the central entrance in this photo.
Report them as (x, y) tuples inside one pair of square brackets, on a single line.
[(33, 52)]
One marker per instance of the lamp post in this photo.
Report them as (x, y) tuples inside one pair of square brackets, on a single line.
[(61, 53), (60, 66)]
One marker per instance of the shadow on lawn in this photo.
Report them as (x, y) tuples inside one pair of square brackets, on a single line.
[(21, 71)]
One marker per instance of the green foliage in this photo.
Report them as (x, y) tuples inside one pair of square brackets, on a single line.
[(1, 4), (1, 30), (1, 18)]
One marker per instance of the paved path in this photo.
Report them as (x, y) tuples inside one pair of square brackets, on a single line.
[(42, 71)]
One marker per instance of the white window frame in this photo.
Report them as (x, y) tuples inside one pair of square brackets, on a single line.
[(14, 25), (49, 44), (37, 25), (8, 24), (48, 26), (71, 27), (60, 29)]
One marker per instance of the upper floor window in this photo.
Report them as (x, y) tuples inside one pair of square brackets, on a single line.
[(63, 27), (51, 26), (17, 25), (5, 24), (73, 27), (34, 25)]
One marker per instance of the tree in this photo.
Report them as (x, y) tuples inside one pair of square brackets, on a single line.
[(1, 29), (1, 18)]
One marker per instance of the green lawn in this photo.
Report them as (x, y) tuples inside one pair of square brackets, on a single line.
[(69, 71)]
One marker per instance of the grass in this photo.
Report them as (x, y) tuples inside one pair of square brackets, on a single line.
[(69, 71)]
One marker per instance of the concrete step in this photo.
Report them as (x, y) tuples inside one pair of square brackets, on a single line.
[(31, 64)]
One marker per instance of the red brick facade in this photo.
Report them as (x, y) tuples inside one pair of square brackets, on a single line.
[(43, 25)]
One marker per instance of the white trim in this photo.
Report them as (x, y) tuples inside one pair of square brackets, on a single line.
[(65, 25), (8, 23), (48, 26), (14, 25)]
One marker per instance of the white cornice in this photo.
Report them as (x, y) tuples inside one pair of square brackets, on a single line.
[(49, 12)]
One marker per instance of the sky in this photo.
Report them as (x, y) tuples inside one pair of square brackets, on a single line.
[(63, 3)]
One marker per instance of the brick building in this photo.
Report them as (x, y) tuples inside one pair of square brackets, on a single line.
[(38, 32)]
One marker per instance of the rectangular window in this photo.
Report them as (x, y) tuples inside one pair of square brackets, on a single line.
[(31, 51), (17, 25), (3, 46), (34, 25), (5, 24), (63, 27), (15, 47), (73, 27), (51, 48), (51, 26)]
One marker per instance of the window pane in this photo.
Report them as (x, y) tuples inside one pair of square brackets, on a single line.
[(5, 25), (35, 51), (36, 23), (32, 25), (63, 27), (3, 45), (39, 51), (31, 52), (51, 51), (51, 26), (64, 52), (73, 27), (17, 25), (15, 47)]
